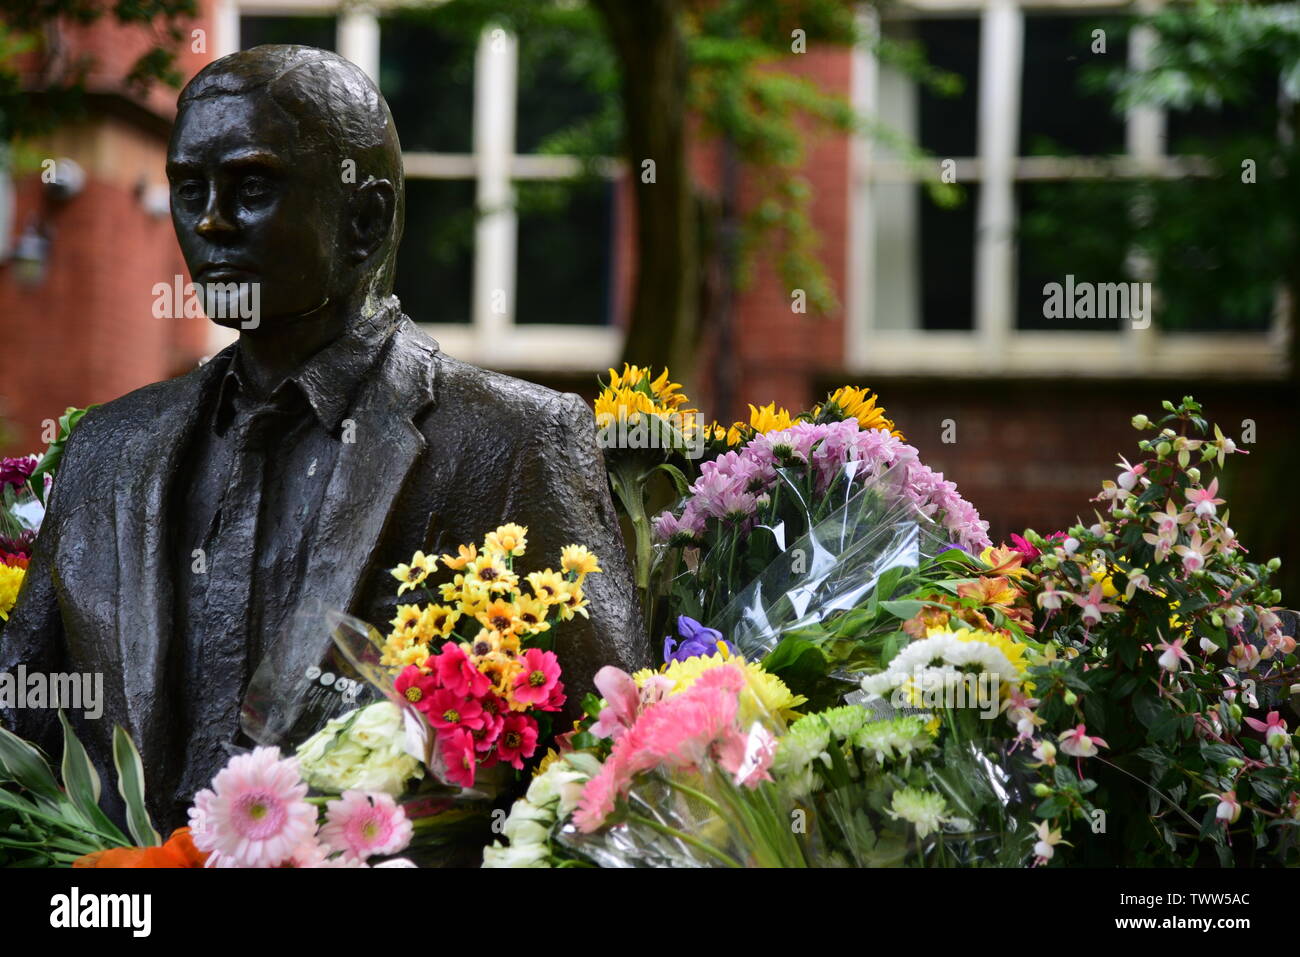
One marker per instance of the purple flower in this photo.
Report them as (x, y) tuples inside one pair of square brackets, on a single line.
[(697, 641), (16, 472)]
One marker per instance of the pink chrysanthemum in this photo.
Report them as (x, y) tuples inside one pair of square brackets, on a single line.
[(254, 815), (518, 740), (457, 673), (365, 825)]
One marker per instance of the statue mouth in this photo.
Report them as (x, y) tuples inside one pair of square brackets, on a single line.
[(222, 272)]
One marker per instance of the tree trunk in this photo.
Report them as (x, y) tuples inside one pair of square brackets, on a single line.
[(648, 39)]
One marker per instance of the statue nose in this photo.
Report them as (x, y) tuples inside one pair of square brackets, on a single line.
[(214, 221)]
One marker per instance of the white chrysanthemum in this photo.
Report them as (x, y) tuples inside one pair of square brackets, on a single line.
[(947, 653), (896, 737), (924, 810), (806, 740)]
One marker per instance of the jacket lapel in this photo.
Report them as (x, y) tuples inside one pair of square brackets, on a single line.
[(148, 464), (368, 476)]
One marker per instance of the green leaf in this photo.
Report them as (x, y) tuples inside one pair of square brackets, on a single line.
[(23, 764), (679, 480), (903, 609), (82, 781), (130, 784)]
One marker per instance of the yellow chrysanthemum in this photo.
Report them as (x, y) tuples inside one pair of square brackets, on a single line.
[(465, 554), (765, 693), (860, 404), (578, 558), (489, 642), (509, 539), (11, 579), (413, 575), (1014, 651)]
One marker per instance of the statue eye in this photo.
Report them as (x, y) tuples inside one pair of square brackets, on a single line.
[(254, 188), (190, 191)]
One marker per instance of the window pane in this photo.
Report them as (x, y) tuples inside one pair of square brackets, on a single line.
[(565, 252), (427, 76), (1058, 114), (1203, 129), (555, 89), (435, 265), (948, 122), (1072, 234), (948, 261), (308, 31)]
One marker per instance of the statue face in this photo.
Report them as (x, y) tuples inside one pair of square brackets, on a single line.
[(250, 206)]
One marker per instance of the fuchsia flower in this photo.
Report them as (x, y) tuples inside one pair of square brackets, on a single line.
[(1274, 730), (1194, 554), (1228, 809), (1173, 655), (1050, 599), (540, 674), (1077, 743), (362, 825), (255, 814), (1202, 501), (1129, 477), (1093, 605)]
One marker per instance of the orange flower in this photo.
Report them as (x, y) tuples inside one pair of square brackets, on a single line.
[(179, 851)]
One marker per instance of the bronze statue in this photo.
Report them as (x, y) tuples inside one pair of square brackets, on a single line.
[(192, 517)]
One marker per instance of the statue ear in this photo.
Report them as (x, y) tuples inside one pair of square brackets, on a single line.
[(371, 217)]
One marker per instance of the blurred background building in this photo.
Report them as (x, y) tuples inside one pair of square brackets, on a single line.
[(937, 221)]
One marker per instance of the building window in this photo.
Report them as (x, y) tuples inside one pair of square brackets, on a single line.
[(508, 255), (1051, 183)]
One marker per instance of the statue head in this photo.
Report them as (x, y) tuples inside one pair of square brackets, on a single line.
[(286, 171)]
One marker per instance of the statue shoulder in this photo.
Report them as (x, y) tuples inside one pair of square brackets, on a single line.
[(461, 385)]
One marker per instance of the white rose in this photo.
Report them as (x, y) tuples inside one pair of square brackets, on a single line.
[(525, 855)]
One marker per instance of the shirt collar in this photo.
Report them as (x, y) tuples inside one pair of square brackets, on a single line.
[(328, 380)]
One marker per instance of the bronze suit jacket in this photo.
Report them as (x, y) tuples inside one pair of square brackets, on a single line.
[(444, 452)]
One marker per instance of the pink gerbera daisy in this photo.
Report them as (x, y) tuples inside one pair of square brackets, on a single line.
[(254, 815), (364, 825), (540, 674)]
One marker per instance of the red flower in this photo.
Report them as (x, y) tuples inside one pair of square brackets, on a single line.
[(448, 711), (457, 748), (416, 687), (557, 698), (541, 673), (457, 673), (518, 740), (491, 723)]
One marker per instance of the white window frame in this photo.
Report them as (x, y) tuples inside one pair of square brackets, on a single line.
[(491, 337), (995, 345)]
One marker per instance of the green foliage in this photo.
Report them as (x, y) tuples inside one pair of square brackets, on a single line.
[(24, 27)]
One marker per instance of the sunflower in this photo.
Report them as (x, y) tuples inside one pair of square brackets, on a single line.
[(851, 402), (769, 418), (406, 619), (501, 617), (437, 621), (572, 601)]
